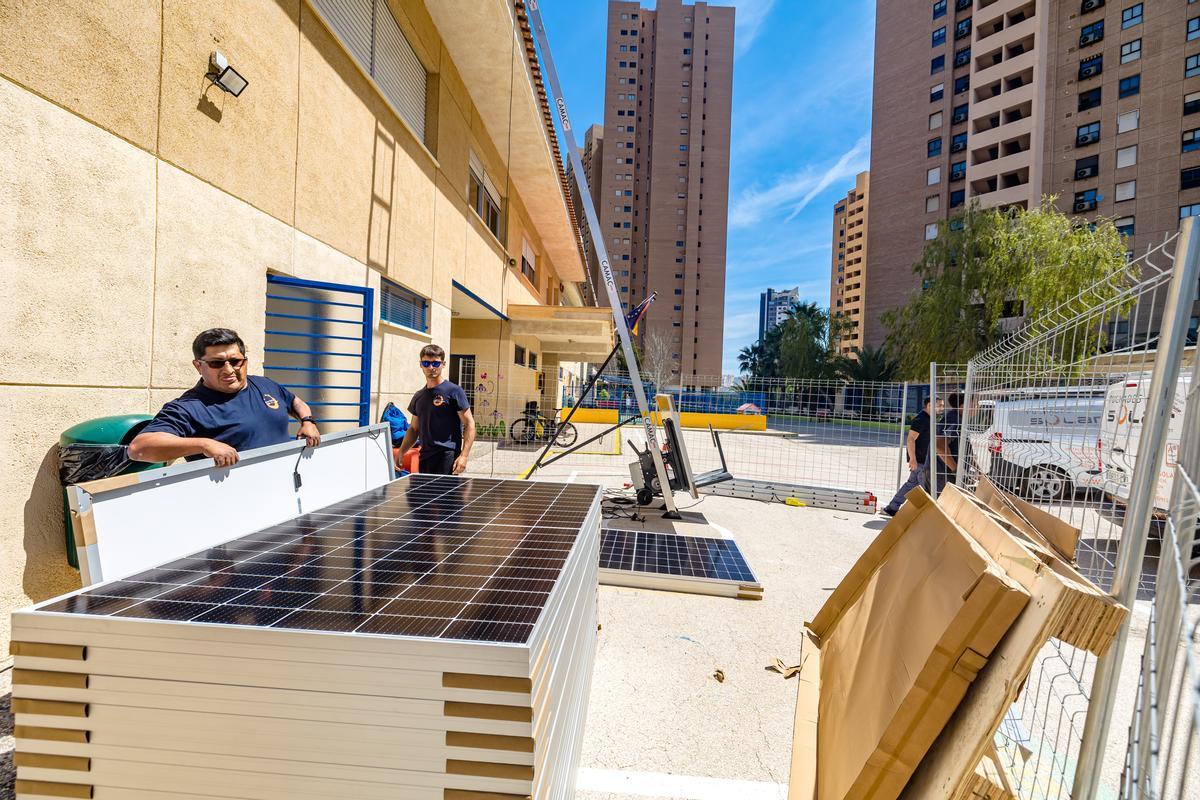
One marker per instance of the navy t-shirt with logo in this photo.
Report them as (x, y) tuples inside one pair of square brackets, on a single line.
[(437, 410), (257, 416)]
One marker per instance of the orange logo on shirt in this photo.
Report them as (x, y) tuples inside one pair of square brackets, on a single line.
[(271, 402), (438, 400)]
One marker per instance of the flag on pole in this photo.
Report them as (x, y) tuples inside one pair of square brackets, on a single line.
[(635, 316)]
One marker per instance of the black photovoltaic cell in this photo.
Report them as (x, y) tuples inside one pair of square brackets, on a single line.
[(427, 555), (673, 554)]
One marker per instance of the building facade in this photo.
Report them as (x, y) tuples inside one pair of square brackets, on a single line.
[(848, 267), (1095, 102), (774, 306), (663, 187), (370, 152)]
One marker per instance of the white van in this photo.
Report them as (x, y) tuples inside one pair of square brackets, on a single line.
[(1121, 431), (1039, 442)]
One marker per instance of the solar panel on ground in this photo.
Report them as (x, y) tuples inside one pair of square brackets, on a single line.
[(428, 639), (676, 562)]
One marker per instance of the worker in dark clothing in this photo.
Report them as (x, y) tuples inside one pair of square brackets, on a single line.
[(918, 458), (949, 431), (441, 418), (225, 412)]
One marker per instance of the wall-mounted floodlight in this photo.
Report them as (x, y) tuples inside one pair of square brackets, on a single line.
[(225, 76)]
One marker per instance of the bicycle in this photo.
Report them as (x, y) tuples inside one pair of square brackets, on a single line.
[(533, 426)]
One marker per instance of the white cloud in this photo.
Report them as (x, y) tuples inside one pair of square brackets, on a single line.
[(798, 189), (748, 21)]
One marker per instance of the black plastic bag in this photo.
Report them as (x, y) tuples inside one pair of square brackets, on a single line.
[(88, 462)]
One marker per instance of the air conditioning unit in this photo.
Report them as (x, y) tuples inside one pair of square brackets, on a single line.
[(1090, 5), (1085, 172), (958, 147), (959, 117), (957, 176), (1089, 38), (1089, 71), (1086, 138), (1084, 205)]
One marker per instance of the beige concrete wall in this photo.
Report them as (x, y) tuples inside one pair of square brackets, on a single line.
[(139, 204)]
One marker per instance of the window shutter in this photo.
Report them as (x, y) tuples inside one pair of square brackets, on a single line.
[(351, 21), (398, 71)]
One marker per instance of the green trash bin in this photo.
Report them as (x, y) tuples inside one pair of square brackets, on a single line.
[(92, 450)]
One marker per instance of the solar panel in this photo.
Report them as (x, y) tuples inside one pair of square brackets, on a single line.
[(431, 556), (676, 562)]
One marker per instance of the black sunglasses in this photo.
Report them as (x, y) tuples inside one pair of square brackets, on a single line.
[(218, 363), (430, 364)]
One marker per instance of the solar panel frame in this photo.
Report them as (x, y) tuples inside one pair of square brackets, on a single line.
[(675, 562)]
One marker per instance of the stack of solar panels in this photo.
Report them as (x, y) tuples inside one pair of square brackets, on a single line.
[(432, 638)]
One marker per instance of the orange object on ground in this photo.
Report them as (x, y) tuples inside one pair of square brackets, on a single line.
[(412, 459)]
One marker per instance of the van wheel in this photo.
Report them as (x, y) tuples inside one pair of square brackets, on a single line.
[(1045, 483)]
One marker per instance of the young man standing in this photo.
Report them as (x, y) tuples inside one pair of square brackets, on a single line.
[(441, 418), (918, 458), (949, 430), (226, 411)]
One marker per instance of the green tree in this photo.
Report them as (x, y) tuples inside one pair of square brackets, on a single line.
[(988, 264), (870, 364), (804, 344)]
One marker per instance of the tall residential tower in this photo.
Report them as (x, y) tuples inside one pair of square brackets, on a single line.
[(664, 179)]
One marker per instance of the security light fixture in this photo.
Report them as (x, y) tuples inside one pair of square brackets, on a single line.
[(225, 76)]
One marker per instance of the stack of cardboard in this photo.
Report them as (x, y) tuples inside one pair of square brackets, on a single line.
[(910, 666)]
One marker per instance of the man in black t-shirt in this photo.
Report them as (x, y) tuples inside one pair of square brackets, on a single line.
[(949, 431), (918, 458), (441, 419)]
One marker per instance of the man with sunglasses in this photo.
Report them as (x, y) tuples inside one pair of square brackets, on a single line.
[(225, 412), (441, 418)]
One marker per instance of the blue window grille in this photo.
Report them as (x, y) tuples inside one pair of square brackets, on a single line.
[(318, 344), (401, 307)]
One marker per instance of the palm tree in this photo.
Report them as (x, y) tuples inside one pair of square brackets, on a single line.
[(748, 359), (869, 365)]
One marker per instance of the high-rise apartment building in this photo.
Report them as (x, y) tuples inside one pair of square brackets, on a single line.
[(592, 155), (663, 188), (848, 267), (1008, 100), (774, 306)]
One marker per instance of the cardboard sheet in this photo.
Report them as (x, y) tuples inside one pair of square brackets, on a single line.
[(901, 639)]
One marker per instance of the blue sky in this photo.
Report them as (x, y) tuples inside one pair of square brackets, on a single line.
[(801, 131)]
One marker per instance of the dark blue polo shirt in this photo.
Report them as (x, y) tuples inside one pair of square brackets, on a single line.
[(256, 416), (437, 410)]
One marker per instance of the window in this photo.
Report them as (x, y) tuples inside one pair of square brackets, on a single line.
[(527, 268), (962, 84), (1128, 121), (935, 120), (533, 362), (937, 64), (1131, 16), (1127, 156), (1091, 67), (958, 142), (1084, 201), (401, 307), (933, 147), (483, 196), (936, 92), (1191, 66), (1087, 134), (933, 176), (1191, 140), (962, 29), (958, 197), (958, 171), (1189, 178), (1086, 168), (1191, 103), (932, 203), (1124, 225), (1130, 86), (1090, 34), (374, 39), (683, 147), (1131, 51), (939, 9), (1126, 190), (939, 36), (1189, 211), (519, 353), (931, 231), (1089, 99), (959, 114), (962, 57), (1193, 28)]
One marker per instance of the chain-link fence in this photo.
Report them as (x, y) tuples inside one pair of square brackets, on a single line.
[(1080, 414)]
